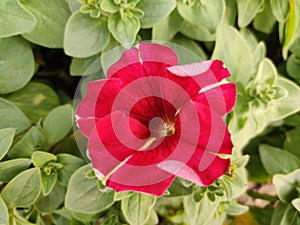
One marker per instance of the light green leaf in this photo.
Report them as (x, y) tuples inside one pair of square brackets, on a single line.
[(12, 116), (85, 36), (4, 216), (233, 50), (199, 33), (287, 186), (83, 194), (6, 139), (167, 28), (293, 27), (266, 73), (285, 106), (70, 165), (52, 201), (153, 219), (137, 208), (74, 5), (235, 208), (33, 140), (35, 100), (40, 158), (23, 190), (155, 11), (230, 12), (14, 20), (85, 66), (265, 21), (280, 9), (52, 17), (16, 70), (109, 6), (123, 31), (48, 181), (276, 160), (84, 217), (295, 48), (10, 168), (58, 123), (122, 194), (190, 46), (207, 15), (292, 141), (296, 204), (199, 212), (293, 67), (247, 9)]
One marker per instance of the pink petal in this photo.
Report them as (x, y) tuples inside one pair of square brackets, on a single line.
[(115, 141), (205, 73), (156, 189), (151, 52), (220, 99)]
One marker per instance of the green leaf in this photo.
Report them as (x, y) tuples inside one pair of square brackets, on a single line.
[(167, 28), (233, 50), (137, 208), (199, 212), (199, 33), (287, 105), (153, 219), (109, 6), (84, 217), (292, 141), (74, 5), (6, 139), (58, 123), (23, 190), (285, 214), (4, 216), (280, 9), (123, 31), (35, 100), (85, 36), (296, 204), (14, 20), (293, 67), (70, 165), (178, 189), (52, 17), (190, 46), (16, 70), (276, 160), (235, 208), (85, 66), (10, 168), (287, 186), (293, 27), (266, 73), (33, 140), (207, 16), (48, 181), (155, 11), (52, 201), (40, 158), (83, 194), (265, 21), (12, 116), (247, 9)]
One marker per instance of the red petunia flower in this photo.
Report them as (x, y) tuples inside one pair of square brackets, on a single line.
[(152, 120)]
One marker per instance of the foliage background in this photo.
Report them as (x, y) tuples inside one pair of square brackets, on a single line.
[(46, 46)]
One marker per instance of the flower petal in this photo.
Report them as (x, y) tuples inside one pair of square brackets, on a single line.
[(220, 99), (205, 73)]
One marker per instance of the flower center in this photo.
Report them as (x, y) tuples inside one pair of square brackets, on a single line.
[(167, 129)]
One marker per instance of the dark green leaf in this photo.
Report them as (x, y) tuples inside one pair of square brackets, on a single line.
[(58, 123), (292, 141), (293, 67), (23, 190), (35, 100), (48, 181), (178, 189), (6, 139), (10, 168), (16, 70), (265, 21), (12, 116)]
